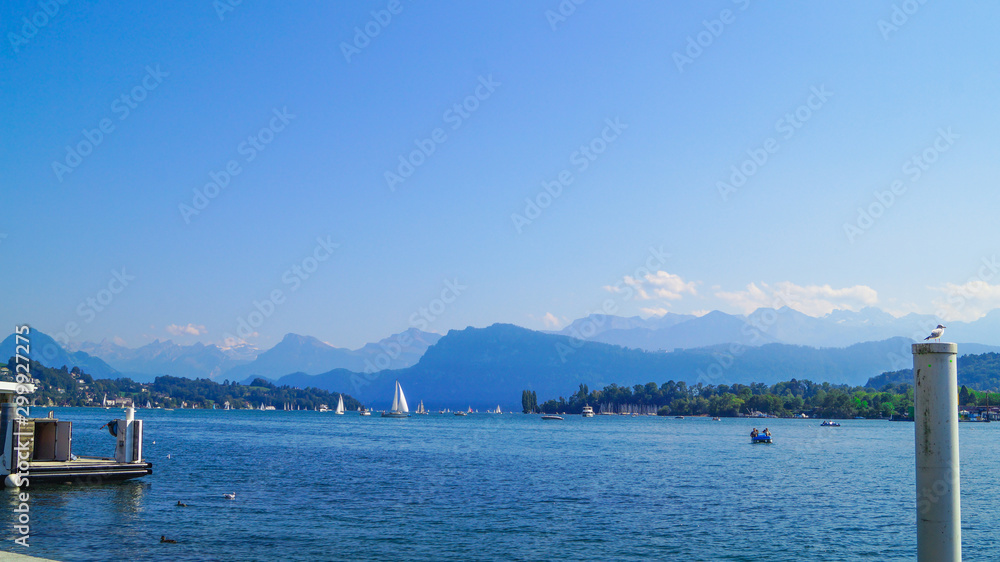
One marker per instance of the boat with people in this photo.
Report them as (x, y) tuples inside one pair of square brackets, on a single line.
[(399, 407), (760, 437), (362, 411), (588, 412), (460, 413), (829, 423)]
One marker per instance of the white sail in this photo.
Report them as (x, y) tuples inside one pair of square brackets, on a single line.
[(399, 401), (340, 404)]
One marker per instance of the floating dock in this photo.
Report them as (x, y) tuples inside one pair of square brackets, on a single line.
[(39, 450)]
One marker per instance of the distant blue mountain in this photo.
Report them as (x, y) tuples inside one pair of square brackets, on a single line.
[(48, 352), (483, 367), (143, 364), (309, 355), (839, 328)]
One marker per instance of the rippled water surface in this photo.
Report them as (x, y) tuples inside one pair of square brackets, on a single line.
[(312, 486)]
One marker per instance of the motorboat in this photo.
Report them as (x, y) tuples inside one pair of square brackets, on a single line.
[(552, 417), (588, 412), (829, 423)]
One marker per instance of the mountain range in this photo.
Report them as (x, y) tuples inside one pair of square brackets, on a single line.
[(294, 353), (483, 367), (478, 363), (839, 328)]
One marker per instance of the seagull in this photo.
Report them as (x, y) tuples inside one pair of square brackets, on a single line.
[(231, 496), (936, 333)]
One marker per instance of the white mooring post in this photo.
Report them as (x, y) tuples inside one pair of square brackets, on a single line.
[(935, 416)]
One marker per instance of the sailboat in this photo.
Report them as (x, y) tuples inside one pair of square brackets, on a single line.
[(421, 410), (399, 408), (340, 406)]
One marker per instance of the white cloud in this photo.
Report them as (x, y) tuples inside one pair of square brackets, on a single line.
[(966, 302), (551, 321), (661, 285), (660, 311), (813, 300), (190, 329)]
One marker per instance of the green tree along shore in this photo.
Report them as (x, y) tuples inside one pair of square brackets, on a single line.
[(885, 395), (62, 387), (783, 399)]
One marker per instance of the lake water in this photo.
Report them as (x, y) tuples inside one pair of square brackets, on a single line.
[(314, 486)]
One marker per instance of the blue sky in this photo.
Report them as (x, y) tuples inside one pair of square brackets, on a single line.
[(352, 257)]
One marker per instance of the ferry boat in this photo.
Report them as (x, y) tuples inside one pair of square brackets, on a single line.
[(588, 412), (49, 447)]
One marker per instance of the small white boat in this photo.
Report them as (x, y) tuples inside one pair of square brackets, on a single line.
[(588, 412), (340, 405), (362, 411), (551, 417), (421, 410), (399, 407)]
